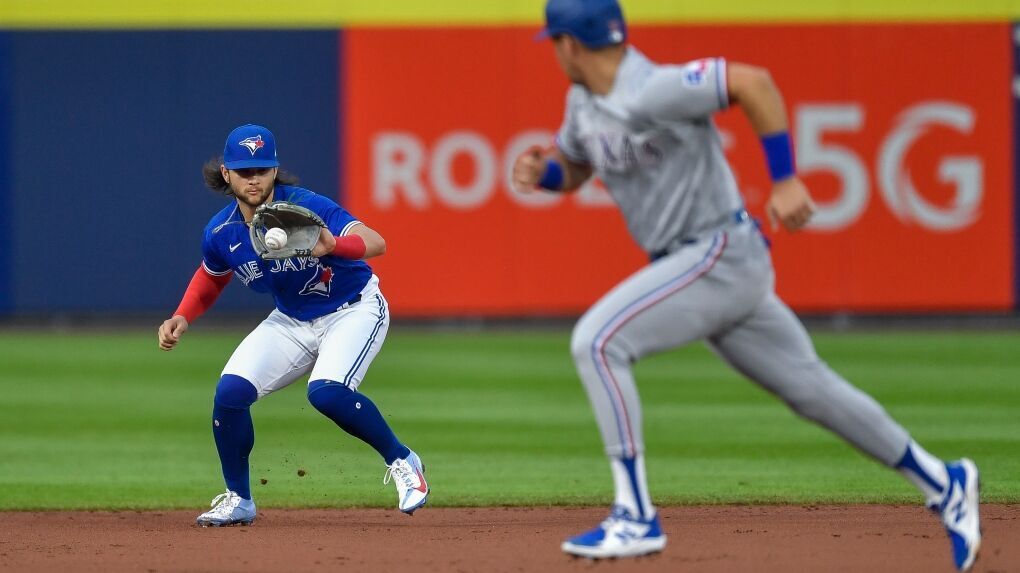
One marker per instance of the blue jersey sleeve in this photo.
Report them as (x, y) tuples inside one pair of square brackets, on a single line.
[(339, 221), (211, 258)]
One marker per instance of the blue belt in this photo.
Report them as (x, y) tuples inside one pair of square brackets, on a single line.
[(739, 216)]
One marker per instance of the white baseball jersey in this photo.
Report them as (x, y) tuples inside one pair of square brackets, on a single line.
[(653, 143)]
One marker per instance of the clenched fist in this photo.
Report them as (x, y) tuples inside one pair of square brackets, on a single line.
[(790, 204), (529, 167), (171, 330)]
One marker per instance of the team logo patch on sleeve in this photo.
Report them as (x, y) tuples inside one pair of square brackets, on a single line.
[(253, 143), (695, 73), (319, 283)]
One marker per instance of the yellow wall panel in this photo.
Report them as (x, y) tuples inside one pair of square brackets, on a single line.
[(334, 13)]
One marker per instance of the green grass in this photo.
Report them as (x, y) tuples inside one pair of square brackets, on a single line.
[(107, 421)]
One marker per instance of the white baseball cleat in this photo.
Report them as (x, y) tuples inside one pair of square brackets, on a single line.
[(959, 509), (228, 509), (409, 476), (620, 535)]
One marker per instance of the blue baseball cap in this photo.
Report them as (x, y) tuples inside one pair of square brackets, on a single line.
[(596, 23), (250, 146)]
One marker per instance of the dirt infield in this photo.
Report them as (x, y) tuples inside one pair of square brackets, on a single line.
[(713, 538)]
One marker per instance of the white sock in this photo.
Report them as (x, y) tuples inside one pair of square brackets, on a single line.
[(632, 486), (925, 471)]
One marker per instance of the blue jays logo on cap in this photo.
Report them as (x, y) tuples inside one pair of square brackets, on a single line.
[(250, 146), (253, 143)]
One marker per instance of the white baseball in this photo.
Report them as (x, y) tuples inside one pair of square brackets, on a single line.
[(276, 238)]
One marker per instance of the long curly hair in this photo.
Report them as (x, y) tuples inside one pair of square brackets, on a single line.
[(214, 179)]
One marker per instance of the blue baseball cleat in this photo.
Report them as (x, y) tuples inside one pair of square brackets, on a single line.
[(959, 510), (620, 535), (408, 475), (228, 509)]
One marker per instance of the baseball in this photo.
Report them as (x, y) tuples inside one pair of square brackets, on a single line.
[(276, 238)]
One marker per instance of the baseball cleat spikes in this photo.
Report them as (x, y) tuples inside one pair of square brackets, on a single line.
[(228, 509), (423, 504), (232, 524)]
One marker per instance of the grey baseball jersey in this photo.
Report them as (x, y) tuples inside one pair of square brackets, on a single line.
[(653, 143)]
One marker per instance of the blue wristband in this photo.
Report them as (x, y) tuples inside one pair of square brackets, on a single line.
[(553, 178), (779, 152)]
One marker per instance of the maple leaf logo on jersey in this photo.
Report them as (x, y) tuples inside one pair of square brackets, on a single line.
[(319, 283), (253, 143)]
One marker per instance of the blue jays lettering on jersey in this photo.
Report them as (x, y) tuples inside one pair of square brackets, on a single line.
[(303, 287)]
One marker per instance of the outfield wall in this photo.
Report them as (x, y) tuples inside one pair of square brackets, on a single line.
[(904, 120)]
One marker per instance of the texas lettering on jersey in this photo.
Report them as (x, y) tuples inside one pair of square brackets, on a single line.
[(621, 152)]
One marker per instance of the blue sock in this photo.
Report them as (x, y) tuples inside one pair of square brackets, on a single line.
[(233, 430), (356, 415)]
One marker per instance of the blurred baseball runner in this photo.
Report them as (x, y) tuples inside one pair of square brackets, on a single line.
[(646, 130), (330, 321)]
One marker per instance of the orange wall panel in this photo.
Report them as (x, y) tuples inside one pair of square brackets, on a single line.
[(903, 134)]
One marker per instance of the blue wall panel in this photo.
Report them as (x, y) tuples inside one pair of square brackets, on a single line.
[(108, 135), (6, 294)]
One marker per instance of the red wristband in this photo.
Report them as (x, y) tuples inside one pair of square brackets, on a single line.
[(351, 247)]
